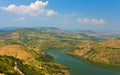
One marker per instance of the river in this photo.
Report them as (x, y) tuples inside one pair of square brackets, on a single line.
[(76, 66)]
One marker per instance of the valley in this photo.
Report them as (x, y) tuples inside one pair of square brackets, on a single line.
[(31, 49)]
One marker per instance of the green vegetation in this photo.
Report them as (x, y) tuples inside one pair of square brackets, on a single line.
[(42, 38), (7, 67)]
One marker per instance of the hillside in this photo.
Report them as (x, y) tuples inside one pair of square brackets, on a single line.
[(105, 52), (16, 51), (41, 38), (38, 61), (7, 67)]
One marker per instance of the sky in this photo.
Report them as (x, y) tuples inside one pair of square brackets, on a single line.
[(66, 14)]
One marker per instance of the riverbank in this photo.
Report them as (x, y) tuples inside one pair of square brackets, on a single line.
[(76, 66), (104, 53), (97, 64)]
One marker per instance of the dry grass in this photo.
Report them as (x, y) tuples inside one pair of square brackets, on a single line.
[(2, 74), (112, 43), (16, 51)]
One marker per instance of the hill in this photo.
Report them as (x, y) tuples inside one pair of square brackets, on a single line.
[(41, 38), (16, 51), (30, 61), (104, 52)]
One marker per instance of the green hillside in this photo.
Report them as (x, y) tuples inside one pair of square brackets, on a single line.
[(7, 67), (41, 38)]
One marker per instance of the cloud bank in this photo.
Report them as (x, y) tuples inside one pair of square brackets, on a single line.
[(91, 21), (36, 8)]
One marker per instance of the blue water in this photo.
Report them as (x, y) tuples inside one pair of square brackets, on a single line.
[(76, 66)]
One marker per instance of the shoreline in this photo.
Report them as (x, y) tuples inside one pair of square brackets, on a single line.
[(95, 64)]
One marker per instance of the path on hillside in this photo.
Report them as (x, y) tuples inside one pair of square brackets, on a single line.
[(17, 69)]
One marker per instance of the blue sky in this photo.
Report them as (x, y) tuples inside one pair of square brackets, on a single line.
[(66, 14)]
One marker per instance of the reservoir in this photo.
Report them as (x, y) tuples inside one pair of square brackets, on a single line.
[(76, 66)]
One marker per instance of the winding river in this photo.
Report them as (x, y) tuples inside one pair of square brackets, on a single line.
[(78, 67)]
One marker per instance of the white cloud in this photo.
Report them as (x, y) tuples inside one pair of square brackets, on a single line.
[(91, 21), (36, 8), (19, 19), (51, 12)]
